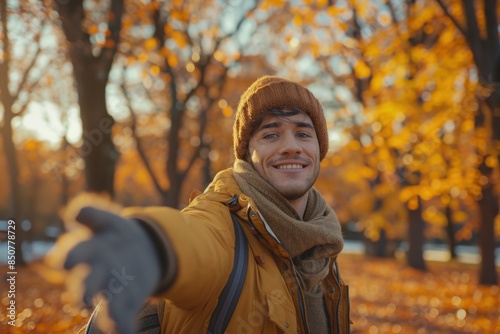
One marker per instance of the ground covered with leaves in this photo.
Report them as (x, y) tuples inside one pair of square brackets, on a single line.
[(386, 297)]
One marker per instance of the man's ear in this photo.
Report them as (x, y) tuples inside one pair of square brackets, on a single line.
[(248, 157)]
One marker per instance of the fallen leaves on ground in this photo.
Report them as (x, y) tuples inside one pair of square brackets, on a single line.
[(389, 297), (386, 297)]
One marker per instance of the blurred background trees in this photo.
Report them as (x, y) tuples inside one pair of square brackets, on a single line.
[(136, 98)]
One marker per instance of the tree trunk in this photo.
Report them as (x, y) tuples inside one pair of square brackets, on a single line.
[(378, 248), (91, 70), (16, 208), (489, 209), (416, 238), (450, 233), (489, 201), (485, 48), (98, 150), (172, 198)]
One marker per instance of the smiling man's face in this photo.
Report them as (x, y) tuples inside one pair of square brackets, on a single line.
[(284, 150)]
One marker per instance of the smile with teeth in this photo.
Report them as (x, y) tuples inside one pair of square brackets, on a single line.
[(290, 166)]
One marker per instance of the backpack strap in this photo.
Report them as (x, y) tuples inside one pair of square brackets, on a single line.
[(231, 292)]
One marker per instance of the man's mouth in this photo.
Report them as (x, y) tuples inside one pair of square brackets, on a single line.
[(290, 166)]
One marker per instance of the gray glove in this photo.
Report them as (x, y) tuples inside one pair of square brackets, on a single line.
[(125, 265)]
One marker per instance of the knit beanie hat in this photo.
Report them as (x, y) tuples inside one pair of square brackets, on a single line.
[(270, 92)]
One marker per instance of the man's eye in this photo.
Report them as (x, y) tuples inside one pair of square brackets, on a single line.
[(270, 136), (303, 135)]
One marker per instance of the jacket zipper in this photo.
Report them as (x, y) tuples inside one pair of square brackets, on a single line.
[(338, 309), (337, 275), (292, 268), (301, 298)]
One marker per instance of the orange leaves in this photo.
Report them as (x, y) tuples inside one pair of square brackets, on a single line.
[(172, 59), (92, 29), (150, 44), (337, 10), (386, 297), (273, 3), (179, 38), (179, 14), (361, 70), (434, 216)]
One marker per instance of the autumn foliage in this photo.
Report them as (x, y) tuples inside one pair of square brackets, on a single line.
[(410, 90), (386, 297)]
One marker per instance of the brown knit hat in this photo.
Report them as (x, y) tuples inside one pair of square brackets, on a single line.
[(271, 92)]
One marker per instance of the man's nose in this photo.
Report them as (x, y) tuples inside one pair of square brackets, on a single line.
[(290, 144)]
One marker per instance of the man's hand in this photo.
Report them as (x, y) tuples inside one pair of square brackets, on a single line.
[(124, 264)]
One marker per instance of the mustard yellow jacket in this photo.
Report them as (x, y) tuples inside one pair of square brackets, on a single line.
[(202, 238)]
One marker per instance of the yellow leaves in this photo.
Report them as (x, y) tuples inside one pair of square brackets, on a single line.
[(227, 111), (447, 37), (93, 29), (459, 216), (219, 56), (376, 84), (31, 145), (352, 176), (180, 15), (179, 38), (491, 161), (336, 160), (172, 59), (154, 70), (190, 67), (268, 4), (412, 203), (467, 125), (297, 20), (408, 192), (363, 203), (383, 190), (434, 216), (304, 16), (374, 224), (397, 141), (361, 70), (276, 3), (150, 44), (336, 11), (354, 145), (164, 52)]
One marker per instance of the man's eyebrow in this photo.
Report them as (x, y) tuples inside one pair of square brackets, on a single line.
[(278, 124), (269, 126), (304, 125)]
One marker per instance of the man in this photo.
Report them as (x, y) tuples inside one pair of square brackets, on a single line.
[(291, 283)]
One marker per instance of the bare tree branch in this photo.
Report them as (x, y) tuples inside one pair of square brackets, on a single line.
[(473, 34), (204, 121), (28, 71), (452, 18), (138, 140)]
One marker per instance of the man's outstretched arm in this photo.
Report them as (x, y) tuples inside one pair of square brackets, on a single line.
[(124, 262)]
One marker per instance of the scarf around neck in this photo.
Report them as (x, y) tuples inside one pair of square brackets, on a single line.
[(311, 241), (317, 235)]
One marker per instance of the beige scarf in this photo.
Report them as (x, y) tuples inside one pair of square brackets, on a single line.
[(311, 241)]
